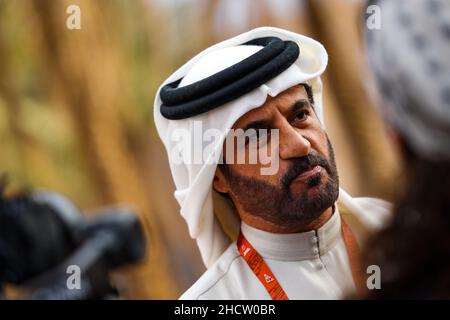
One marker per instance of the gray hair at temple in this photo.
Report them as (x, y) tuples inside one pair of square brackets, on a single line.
[(410, 58)]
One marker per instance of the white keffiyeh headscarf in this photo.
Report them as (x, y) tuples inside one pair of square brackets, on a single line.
[(193, 181)]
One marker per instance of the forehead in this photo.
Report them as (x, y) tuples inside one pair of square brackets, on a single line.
[(281, 103)]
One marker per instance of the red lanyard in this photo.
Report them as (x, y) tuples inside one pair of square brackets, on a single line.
[(260, 269), (267, 278)]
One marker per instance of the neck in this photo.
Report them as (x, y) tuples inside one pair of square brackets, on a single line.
[(264, 225)]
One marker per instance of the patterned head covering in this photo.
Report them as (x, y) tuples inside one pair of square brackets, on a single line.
[(410, 57)]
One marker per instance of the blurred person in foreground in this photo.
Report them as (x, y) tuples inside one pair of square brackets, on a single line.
[(410, 59), (262, 234)]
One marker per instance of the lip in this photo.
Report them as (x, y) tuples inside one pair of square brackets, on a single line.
[(308, 174)]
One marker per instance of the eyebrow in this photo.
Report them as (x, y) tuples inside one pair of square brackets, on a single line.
[(298, 105), (265, 124), (257, 124)]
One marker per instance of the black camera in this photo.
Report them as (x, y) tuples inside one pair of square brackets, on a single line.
[(51, 250)]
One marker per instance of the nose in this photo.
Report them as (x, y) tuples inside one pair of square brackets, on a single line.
[(292, 143)]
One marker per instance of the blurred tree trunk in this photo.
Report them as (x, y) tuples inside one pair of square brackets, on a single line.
[(87, 65), (27, 150), (8, 93)]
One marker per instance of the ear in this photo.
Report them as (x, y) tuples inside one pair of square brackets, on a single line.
[(220, 184)]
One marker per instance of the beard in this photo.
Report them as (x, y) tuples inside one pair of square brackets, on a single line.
[(277, 204)]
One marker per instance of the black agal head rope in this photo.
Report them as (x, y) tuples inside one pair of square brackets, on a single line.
[(230, 83)]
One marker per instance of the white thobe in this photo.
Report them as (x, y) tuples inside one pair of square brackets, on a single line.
[(308, 265)]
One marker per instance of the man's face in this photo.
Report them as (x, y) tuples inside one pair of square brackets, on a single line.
[(306, 183)]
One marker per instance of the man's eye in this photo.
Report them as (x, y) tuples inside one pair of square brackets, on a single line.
[(301, 116)]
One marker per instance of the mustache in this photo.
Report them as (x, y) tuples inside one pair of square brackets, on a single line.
[(300, 165)]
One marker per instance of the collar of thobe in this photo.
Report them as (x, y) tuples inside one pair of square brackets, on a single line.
[(295, 246)]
